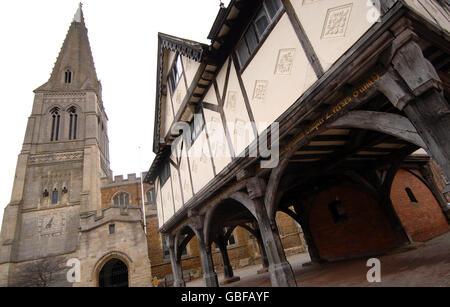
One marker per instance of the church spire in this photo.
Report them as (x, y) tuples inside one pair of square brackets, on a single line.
[(74, 68)]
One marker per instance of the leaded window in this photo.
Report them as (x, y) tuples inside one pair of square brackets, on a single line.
[(121, 199), (174, 75), (257, 30), (196, 124)]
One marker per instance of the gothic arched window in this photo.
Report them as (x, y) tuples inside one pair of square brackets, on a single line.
[(67, 76), (56, 117), (73, 122), (121, 199)]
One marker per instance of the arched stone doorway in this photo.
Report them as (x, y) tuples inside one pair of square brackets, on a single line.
[(114, 273)]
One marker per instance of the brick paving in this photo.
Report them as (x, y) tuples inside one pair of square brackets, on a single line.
[(426, 264)]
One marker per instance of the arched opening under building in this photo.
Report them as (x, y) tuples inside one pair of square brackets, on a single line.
[(114, 273)]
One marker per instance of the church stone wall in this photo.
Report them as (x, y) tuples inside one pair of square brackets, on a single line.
[(290, 233), (127, 243), (45, 233)]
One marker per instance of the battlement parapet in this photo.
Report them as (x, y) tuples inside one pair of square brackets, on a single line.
[(119, 180)]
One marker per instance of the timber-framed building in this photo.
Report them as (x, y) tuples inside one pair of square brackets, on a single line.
[(316, 108)]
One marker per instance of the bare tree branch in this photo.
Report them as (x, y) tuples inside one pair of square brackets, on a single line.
[(40, 273)]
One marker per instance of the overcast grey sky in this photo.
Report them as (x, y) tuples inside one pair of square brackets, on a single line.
[(123, 38)]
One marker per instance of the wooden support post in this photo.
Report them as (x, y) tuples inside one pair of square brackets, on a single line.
[(209, 275), (262, 251), (312, 248), (227, 268), (281, 274), (177, 271), (428, 176), (430, 114)]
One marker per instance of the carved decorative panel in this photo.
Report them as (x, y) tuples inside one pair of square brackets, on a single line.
[(260, 90), (231, 100), (56, 157), (285, 61), (336, 21), (65, 98)]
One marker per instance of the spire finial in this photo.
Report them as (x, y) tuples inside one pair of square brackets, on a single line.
[(79, 14)]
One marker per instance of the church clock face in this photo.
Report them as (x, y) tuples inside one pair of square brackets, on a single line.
[(51, 225)]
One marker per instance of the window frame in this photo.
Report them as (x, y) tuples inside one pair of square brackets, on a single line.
[(68, 76), (195, 133), (73, 123), (152, 201), (164, 175), (55, 116), (335, 208), (118, 195), (261, 38), (172, 80), (412, 197), (53, 200)]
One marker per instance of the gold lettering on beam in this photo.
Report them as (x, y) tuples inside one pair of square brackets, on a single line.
[(364, 87)]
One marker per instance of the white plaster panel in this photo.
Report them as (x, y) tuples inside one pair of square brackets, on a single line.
[(178, 96), (190, 69), (333, 26), (166, 194), (185, 177), (278, 75), (159, 206), (167, 116), (200, 160), (170, 58), (217, 138), (221, 77), (211, 97), (178, 201), (236, 114)]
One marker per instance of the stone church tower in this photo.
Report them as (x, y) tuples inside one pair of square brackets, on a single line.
[(56, 205)]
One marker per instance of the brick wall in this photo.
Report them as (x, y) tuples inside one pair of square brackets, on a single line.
[(422, 219), (366, 231), (128, 187)]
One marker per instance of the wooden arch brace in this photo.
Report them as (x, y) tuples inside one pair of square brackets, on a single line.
[(388, 123)]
